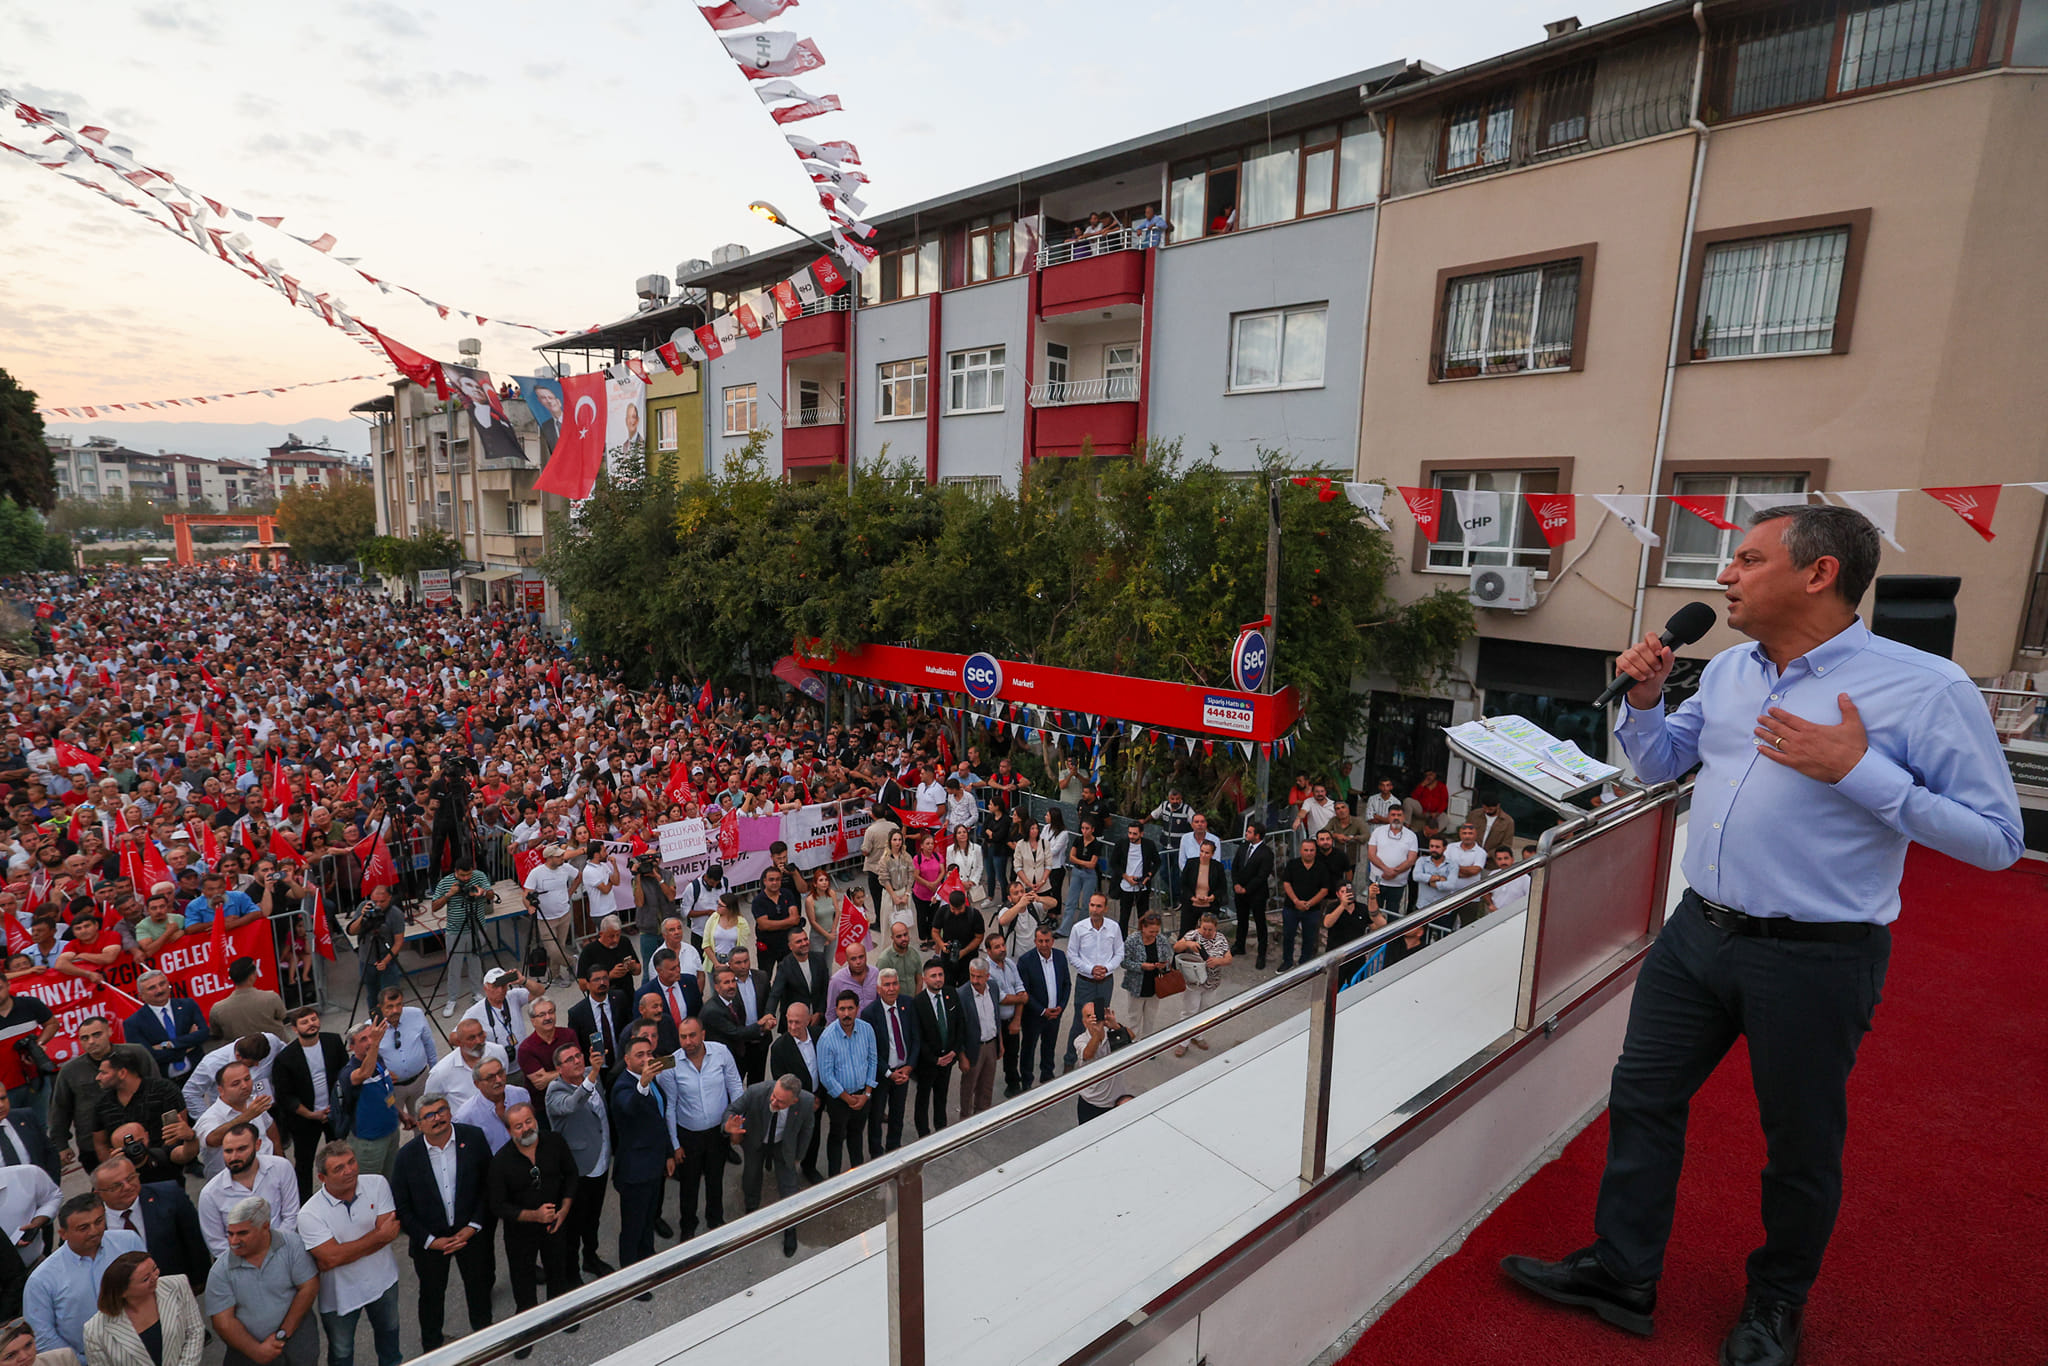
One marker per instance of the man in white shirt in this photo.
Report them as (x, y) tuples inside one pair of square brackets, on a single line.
[(1380, 803), (676, 939), (348, 1228), (931, 793), (1392, 851), (1317, 810), (202, 1088), (494, 1096), (697, 901), (237, 1103), (1512, 895), (1095, 951), (1198, 835), (454, 1076), (28, 1200), (983, 1010), (550, 888), (501, 1010), (1468, 864), (246, 1172)]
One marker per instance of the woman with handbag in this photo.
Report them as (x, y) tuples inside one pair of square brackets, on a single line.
[(1151, 975), (898, 874), (1203, 955), (144, 1319)]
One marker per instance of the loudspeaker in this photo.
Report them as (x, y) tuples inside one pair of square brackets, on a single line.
[(1917, 610)]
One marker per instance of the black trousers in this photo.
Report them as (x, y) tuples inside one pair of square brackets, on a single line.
[(1130, 906), (305, 1136), (1804, 1007), (932, 1084), (479, 1268), (885, 1116), (639, 1205), (586, 1212), (1013, 1047), (1041, 1038), (1251, 915), (847, 1133), (530, 1247), (702, 1167)]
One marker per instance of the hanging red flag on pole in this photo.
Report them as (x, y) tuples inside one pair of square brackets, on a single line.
[(852, 931), (375, 856), (839, 835)]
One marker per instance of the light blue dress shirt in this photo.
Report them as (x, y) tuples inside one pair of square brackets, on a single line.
[(846, 1064), (64, 1290), (696, 1098), (408, 1048), (199, 911), (1766, 839)]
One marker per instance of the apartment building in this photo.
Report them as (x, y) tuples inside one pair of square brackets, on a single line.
[(429, 471), (1729, 250), (100, 467), (299, 464), (990, 333)]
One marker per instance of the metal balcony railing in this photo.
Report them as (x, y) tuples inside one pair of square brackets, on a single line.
[(820, 412), (1595, 949), (1080, 248), (1060, 393), (831, 303)]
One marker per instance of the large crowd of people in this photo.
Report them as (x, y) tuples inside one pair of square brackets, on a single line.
[(193, 747)]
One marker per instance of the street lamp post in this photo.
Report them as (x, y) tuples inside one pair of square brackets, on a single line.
[(763, 209)]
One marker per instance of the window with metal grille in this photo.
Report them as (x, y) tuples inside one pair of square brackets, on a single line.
[(1565, 104), (1772, 295), (1695, 550), (1510, 321), (1781, 59), (1905, 41), (976, 381), (1479, 133), (980, 485), (903, 389), (742, 409), (1521, 541)]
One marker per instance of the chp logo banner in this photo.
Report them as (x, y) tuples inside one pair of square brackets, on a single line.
[(190, 965)]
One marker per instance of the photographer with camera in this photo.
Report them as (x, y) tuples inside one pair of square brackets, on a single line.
[(654, 900), (469, 898)]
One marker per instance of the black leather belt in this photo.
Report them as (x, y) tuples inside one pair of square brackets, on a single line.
[(1731, 921)]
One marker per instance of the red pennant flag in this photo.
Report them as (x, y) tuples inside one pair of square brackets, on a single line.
[(1553, 514), (951, 882), (17, 937), (639, 368), (323, 934), (1974, 503), (724, 16), (729, 836), (283, 850), (579, 449), (1711, 508), (705, 702), (1426, 506), (154, 868), (839, 835), (786, 301), (749, 324), (353, 792), (375, 856), (707, 337), (852, 930), (280, 786), (830, 278), (205, 839), (524, 862), (671, 356)]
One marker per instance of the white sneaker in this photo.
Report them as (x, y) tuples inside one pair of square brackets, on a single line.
[(447, 1010)]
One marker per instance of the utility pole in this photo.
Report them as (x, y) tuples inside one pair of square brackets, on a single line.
[(1272, 631)]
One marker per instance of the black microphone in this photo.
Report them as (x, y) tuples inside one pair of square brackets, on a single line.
[(1687, 625)]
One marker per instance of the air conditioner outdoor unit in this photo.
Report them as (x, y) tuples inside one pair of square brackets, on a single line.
[(651, 287), (1505, 587)]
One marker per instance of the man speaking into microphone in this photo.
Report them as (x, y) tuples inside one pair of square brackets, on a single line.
[(1823, 752)]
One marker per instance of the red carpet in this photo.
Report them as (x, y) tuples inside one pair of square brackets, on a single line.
[(1941, 1251)]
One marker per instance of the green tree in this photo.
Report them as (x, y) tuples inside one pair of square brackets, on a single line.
[(328, 525), (26, 544), (403, 556), (26, 473)]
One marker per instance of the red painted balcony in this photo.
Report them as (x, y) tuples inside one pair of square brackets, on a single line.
[(1095, 272), (814, 436), (821, 331), (1101, 412)]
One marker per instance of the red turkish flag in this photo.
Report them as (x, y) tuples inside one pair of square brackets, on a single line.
[(579, 449), (852, 931), (323, 935), (951, 882), (1711, 508), (1974, 503), (204, 840), (707, 337), (671, 356), (830, 278), (1426, 506), (1553, 514), (353, 792), (283, 851), (375, 856)]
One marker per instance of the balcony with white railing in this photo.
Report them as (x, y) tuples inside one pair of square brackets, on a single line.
[(830, 303), (1067, 393), (1091, 272), (813, 433), (1082, 248), (820, 330), (818, 412)]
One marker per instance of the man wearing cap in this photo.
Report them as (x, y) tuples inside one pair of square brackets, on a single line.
[(501, 1010)]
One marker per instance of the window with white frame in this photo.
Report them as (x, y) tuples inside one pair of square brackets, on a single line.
[(1057, 361), (512, 506), (975, 381), (1695, 550), (903, 388), (1278, 348), (742, 408), (1521, 539), (1509, 321), (665, 429), (1772, 295), (1120, 371), (1479, 133), (981, 485)]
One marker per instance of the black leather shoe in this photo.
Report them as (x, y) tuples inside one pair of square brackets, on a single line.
[(1582, 1281), (661, 1228), (597, 1266), (813, 1175), (1767, 1333), (789, 1242)]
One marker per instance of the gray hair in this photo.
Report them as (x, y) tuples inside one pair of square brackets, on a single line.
[(1843, 534), (338, 1147), (434, 1098), (790, 1082), (250, 1209), (534, 1005), (357, 1032), (885, 975), (663, 957), (476, 1073), (610, 922)]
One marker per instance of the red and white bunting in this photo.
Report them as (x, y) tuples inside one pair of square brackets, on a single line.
[(1974, 503), (1426, 506), (272, 391)]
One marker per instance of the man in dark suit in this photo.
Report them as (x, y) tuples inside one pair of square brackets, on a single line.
[(599, 1020), (172, 1028), (1252, 880), (801, 976), (303, 1099), (439, 1234), (644, 1155), (1048, 985), (943, 1036), (896, 1053), (772, 1121), (161, 1212), (24, 1144), (1132, 901), (744, 1032), (677, 994), (795, 1054)]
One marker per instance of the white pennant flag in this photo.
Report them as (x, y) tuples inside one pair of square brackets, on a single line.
[(774, 91), (1368, 498), (1761, 501), (1633, 511), (2040, 487), (1881, 506), (1478, 515), (837, 153), (685, 340), (806, 288)]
